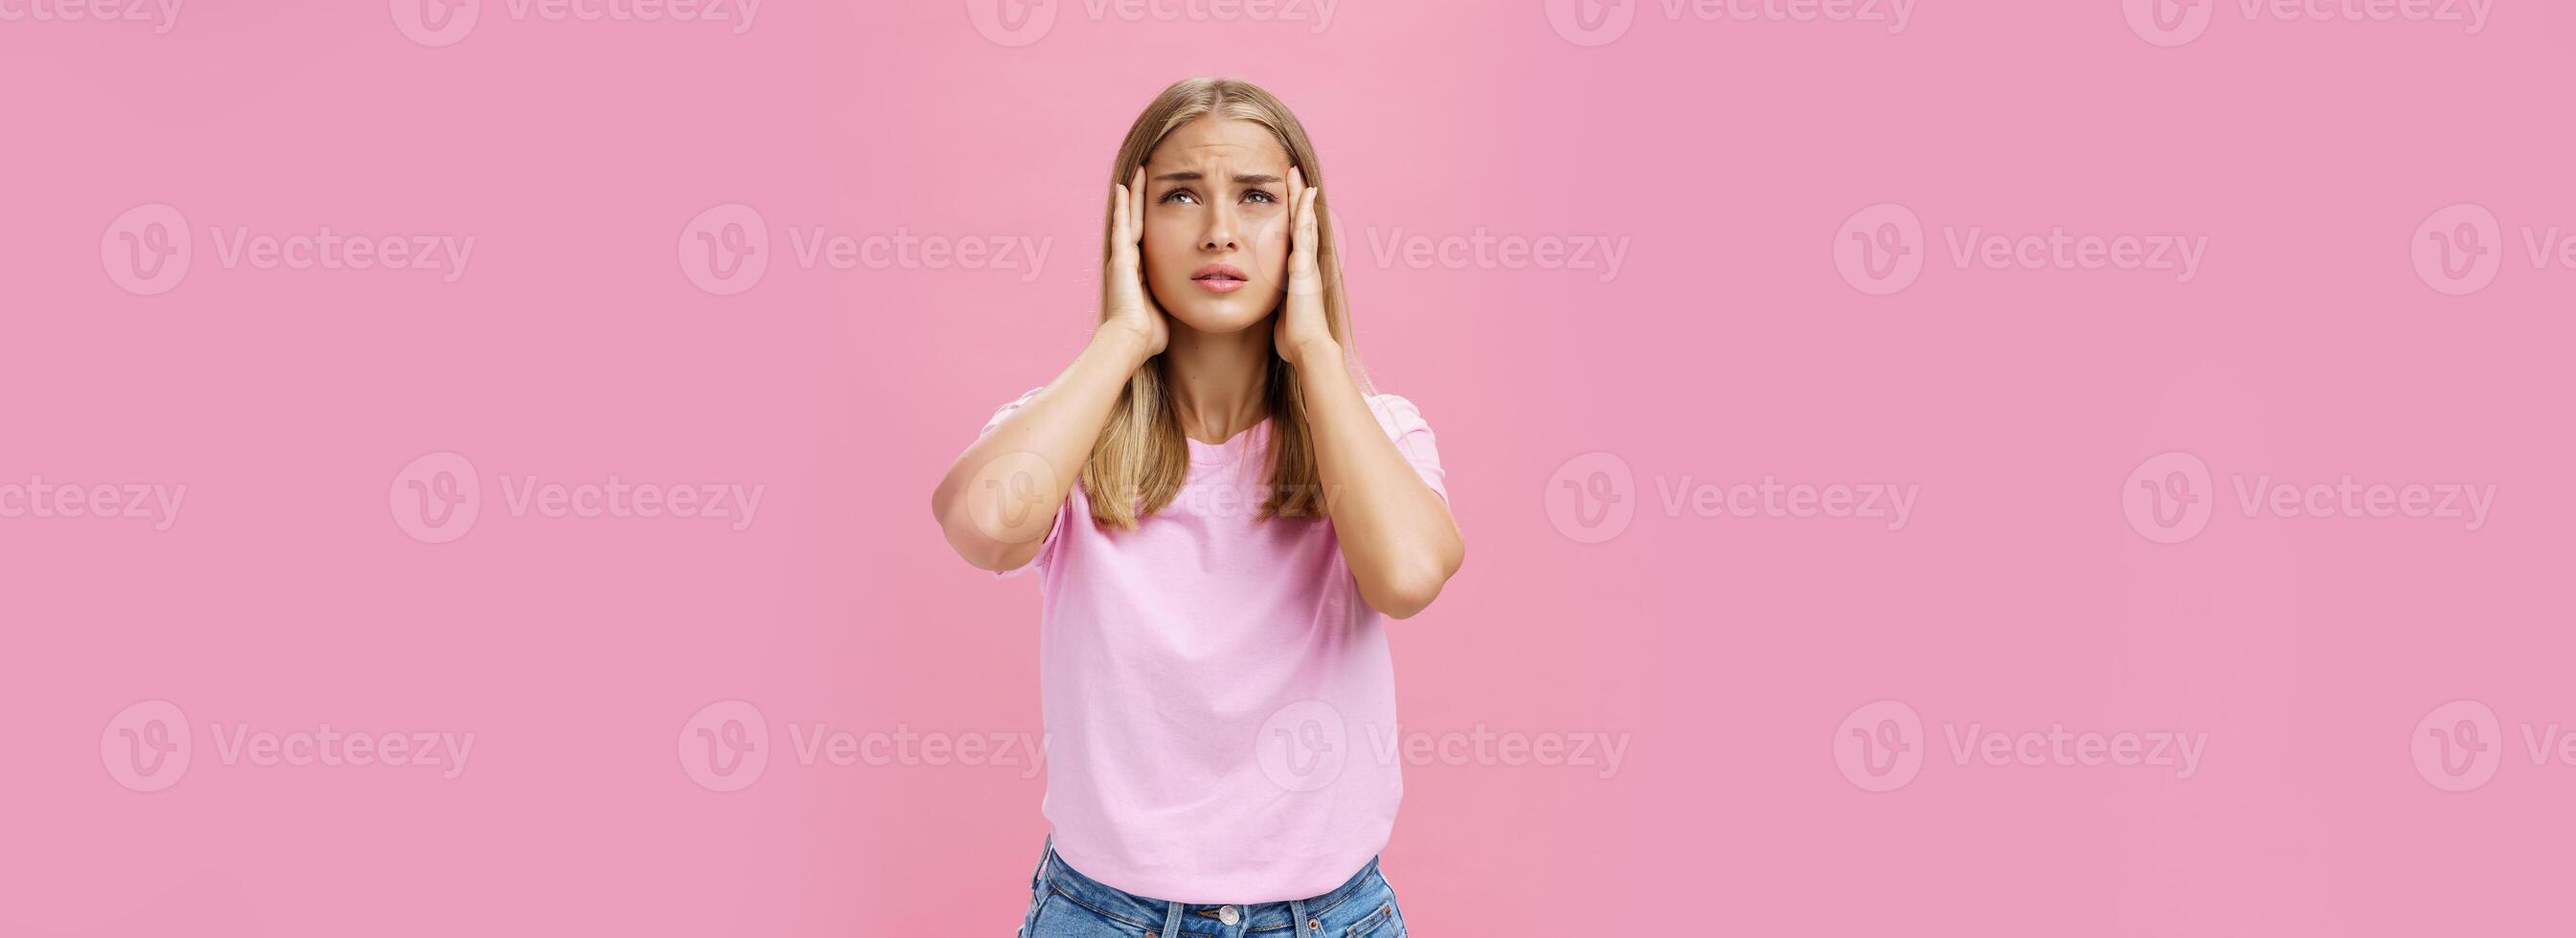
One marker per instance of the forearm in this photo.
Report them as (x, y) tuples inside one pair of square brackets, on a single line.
[(998, 500), (1396, 534)]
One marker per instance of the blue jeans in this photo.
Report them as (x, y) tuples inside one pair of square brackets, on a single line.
[(1067, 904)]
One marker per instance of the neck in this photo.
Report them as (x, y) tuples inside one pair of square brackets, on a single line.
[(1218, 383)]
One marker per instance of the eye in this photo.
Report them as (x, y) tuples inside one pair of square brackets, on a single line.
[(1262, 195), (1177, 195)]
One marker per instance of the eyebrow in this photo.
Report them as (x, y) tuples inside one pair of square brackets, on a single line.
[(1240, 179)]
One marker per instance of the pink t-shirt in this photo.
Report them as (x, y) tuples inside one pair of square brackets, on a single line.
[(1219, 701)]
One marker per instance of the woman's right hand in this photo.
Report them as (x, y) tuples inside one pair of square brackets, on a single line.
[(1124, 302)]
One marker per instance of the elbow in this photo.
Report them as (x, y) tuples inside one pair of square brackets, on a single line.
[(1402, 595), (971, 544)]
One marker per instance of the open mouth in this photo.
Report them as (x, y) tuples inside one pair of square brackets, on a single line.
[(1220, 278)]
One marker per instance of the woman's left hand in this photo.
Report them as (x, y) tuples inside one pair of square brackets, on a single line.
[(1303, 332)]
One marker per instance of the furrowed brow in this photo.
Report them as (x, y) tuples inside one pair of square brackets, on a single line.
[(1240, 179)]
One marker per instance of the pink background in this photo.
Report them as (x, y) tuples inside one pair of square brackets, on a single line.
[(1728, 651)]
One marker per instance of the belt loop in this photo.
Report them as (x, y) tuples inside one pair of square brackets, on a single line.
[(1172, 922), (1297, 917)]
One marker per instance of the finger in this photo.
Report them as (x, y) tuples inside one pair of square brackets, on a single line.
[(1136, 202), (1296, 194), (1306, 228), (1117, 213)]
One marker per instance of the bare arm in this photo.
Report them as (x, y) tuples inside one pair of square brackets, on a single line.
[(1031, 461), (998, 501), (1397, 535)]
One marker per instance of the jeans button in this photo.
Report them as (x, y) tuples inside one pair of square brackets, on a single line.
[(1228, 915)]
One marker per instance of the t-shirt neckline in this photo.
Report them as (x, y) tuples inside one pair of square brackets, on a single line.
[(1209, 454)]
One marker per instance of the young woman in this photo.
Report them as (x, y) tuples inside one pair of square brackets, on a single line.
[(1221, 510)]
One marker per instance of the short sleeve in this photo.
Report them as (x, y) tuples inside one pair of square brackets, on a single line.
[(1006, 410), (1404, 424), (1046, 548)]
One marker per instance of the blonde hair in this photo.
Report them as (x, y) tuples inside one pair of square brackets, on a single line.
[(1141, 459)]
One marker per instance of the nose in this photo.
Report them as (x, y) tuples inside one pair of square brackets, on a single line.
[(1220, 233)]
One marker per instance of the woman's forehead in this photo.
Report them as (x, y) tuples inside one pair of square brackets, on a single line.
[(1219, 140)]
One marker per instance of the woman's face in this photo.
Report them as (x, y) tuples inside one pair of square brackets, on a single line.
[(1216, 224)]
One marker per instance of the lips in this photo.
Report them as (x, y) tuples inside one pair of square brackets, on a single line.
[(1220, 278)]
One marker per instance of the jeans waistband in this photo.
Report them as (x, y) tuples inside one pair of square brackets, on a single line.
[(1151, 913)]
